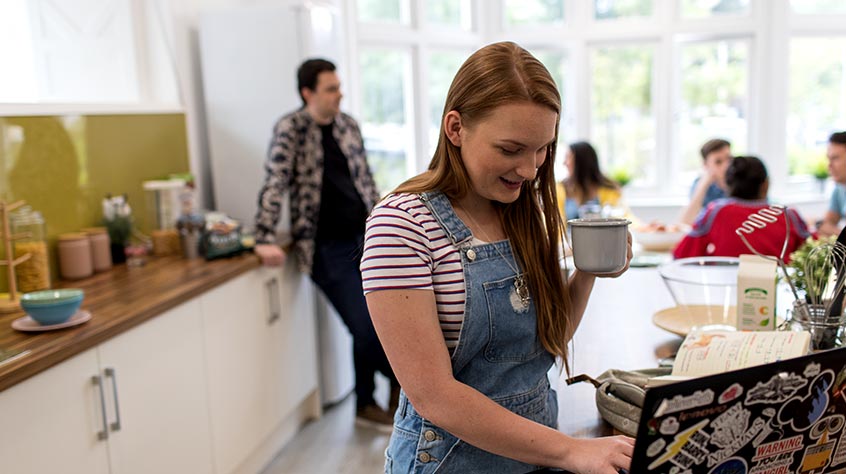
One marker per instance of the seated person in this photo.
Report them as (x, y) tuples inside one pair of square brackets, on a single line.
[(711, 184), (585, 184), (836, 155), (713, 234)]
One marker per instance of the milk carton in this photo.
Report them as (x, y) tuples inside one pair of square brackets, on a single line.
[(756, 294)]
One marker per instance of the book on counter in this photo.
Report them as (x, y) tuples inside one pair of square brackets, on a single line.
[(708, 353)]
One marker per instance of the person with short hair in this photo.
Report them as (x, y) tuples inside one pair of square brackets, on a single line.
[(317, 156), (711, 184), (836, 154), (462, 277), (713, 234)]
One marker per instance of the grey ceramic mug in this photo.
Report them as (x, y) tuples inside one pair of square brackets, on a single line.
[(599, 245)]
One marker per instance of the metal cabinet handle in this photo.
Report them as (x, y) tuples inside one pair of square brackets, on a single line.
[(274, 304), (101, 435), (111, 372)]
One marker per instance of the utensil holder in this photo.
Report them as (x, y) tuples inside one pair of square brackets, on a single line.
[(826, 331)]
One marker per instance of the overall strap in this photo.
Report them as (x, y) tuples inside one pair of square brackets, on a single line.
[(440, 207)]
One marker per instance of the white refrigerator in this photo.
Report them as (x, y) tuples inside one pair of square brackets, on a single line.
[(249, 56)]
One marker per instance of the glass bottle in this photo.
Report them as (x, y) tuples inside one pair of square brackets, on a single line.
[(34, 273)]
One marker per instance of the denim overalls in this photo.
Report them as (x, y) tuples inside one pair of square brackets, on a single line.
[(498, 353)]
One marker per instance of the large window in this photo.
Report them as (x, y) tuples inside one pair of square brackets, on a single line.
[(714, 98), (646, 81), (407, 56), (817, 99), (623, 124)]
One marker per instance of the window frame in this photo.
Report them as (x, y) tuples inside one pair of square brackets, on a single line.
[(419, 38)]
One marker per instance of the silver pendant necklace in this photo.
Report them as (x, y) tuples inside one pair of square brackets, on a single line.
[(520, 287)]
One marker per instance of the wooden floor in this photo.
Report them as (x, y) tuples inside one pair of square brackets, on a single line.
[(333, 444)]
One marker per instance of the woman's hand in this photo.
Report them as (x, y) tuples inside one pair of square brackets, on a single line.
[(601, 455), (628, 259)]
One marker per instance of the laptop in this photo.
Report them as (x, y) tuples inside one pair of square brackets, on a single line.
[(784, 417)]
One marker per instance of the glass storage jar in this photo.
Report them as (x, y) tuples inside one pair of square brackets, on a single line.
[(34, 273)]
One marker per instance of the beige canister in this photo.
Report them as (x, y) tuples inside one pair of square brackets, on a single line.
[(101, 255), (75, 256)]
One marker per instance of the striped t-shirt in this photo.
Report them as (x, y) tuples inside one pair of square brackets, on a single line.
[(406, 248)]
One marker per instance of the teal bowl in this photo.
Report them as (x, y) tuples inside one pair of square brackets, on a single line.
[(50, 307), (51, 297)]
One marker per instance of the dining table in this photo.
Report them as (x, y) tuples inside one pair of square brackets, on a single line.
[(616, 332)]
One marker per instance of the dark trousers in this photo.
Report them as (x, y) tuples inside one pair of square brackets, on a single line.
[(335, 271)]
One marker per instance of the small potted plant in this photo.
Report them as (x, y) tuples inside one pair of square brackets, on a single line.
[(117, 217), (799, 261), (820, 172), (814, 314), (621, 175)]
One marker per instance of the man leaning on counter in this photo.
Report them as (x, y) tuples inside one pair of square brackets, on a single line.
[(317, 156)]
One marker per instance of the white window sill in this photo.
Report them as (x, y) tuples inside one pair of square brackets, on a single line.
[(19, 110)]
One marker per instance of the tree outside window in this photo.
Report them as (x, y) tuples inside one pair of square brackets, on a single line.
[(712, 8), (622, 123), (449, 14), (714, 98), (443, 64), (621, 9), (817, 102), (382, 11), (387, 135), (534, 12)]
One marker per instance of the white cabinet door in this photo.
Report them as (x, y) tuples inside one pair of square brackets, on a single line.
[(239, 345), (296, 339), (155, 385), (49, 423)]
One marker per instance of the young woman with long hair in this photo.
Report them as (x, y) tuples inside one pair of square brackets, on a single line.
[(586, 183), (461, 272)]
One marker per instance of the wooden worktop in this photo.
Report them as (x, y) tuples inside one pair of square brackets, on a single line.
[(118, 300)]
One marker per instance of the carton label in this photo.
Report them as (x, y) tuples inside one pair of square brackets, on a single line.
[(756, 280)]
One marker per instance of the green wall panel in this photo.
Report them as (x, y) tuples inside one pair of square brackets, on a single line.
[(63, 166)]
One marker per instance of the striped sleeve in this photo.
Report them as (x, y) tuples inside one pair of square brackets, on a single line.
[(397, 251)]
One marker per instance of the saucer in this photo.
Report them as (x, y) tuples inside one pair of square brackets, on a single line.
[(681, 319), (28, 324)]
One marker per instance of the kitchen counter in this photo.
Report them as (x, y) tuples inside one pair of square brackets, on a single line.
[(118, 300)]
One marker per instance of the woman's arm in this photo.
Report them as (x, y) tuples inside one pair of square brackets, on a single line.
[(407, 324)]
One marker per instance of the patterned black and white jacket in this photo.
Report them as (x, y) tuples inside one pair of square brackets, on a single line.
[(295, 166)]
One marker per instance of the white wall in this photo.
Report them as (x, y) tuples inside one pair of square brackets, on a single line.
[(185, 16)]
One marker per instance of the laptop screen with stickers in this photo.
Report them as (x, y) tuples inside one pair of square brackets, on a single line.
[(779, 418)]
